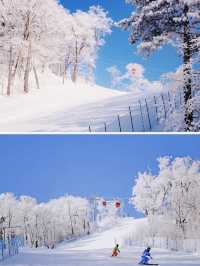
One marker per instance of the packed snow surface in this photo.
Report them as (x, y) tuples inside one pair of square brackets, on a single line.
[(69, 107), (51, 107), (76, 107), (96, 250)]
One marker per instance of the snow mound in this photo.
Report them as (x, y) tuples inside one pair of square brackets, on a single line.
[(107, 238)]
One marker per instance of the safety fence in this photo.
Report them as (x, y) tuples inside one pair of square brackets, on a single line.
[(144, 116), (186, 245), (176, 244), (10, 246)]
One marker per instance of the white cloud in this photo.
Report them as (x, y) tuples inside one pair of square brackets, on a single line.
[(133, 79)]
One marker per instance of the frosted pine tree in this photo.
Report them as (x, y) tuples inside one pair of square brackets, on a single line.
[(157, 22)]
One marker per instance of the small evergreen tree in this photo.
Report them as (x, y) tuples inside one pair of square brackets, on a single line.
[(157, 22)]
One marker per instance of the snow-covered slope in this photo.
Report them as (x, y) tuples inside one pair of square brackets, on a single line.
[(127, 257), (74, 107), (107, 238), (96, 251), (26, 112), (70, 108)]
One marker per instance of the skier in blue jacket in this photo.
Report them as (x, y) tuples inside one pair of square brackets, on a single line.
[(146, 256)]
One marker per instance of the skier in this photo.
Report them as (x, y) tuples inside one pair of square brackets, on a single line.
[(116, 251), (146, 256)]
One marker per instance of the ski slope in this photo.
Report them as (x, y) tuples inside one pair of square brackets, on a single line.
[(95, 250), (78, 118), (52, 107), (70, 107)]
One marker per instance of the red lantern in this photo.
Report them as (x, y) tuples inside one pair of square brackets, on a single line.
[(133, 71), (104, 203), (117, 204)]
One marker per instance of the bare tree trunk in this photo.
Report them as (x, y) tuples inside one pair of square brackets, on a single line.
[(187, 72), (16, 66), (75, 65), (25, 231), (27, 69), (21, 67), (90, 76), (70, 218), (74, 72), (43, 68), (66, 66), (64, 72), (36, 231), (36, 77), (9, 72)]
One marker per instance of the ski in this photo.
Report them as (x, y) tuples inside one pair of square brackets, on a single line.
[(150, 264)]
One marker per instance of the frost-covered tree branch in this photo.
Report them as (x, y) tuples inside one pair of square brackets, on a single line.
[(40, 34), (155, 23), (171, 195)]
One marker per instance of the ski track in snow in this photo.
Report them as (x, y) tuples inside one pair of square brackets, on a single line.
[(95, 250)]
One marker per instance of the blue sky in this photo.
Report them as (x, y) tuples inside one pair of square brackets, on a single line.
[(50, 166), (118, 51)]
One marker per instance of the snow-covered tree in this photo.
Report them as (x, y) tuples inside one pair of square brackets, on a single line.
[(172, 194), (26, 207), (45, 224), (8, 208), (34, 38), (157, 22), (88, 30), (144, 196)]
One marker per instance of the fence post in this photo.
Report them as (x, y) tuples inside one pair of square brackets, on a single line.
[(170, 102), (105, 127), (164, 106), (155, 101), (150, 126), (9, 246), (119, 122), (142, 118), (175, 104), (2, 248), (131, 117), (169, 97)]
